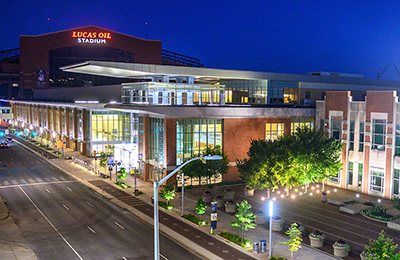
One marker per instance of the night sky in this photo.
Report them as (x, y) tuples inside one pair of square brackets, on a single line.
[(359, 37)]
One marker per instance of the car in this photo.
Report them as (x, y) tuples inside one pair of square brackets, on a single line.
[(3, 145), (9, 140)]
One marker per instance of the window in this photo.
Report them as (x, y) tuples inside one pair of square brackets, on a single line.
[(397, 143), (378, 134), (360, 174), (350, 175), (337, 177), (351, 139), (301, 122), (283, 92), (273, 130), (361, 138), (396, 182), (336, 128), (377, 179)]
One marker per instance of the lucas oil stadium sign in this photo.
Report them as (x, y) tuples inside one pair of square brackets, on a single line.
[(91, 37)]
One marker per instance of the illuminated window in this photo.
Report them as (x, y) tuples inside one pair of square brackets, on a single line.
[(360, 174), (273, 130), (377, 181), (350, 174), (301, 122)]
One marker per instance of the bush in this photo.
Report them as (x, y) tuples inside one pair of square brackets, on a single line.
[(379, 213), (397, 203), (235, 239), (195, 219), (200, 208), (122, 184), (278, 258), (164, 205)]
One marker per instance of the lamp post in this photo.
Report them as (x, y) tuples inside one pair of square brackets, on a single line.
[(271, 212), (157, 184), (183, 192)]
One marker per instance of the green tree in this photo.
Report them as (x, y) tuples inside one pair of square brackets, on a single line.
[(103, 159), (381, 249), (294, 241), (244, 217), (314, 156), (200, 208), (122, 174), (259, 171), (207, 168), (168, 193)]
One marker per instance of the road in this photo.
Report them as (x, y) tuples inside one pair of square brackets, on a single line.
[(61, 218)]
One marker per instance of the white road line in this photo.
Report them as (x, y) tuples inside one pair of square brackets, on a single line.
[(65, 207), (68, 188), (48, 191), (51, 224), (163, 257), (90, 204), (119, 225), (124, 258), (94, 232), (6, 182)]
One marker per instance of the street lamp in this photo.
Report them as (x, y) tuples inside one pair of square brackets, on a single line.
[(271, 212), (157, 184)]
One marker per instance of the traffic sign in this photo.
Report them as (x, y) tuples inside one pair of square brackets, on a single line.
[(113, 164), (110, 162), (132, 171), (119, 163)]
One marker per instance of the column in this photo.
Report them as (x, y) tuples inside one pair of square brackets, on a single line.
[(67, 126)]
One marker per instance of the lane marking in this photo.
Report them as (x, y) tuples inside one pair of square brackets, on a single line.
[(51, 224), (65, 207), (48, 191), (90, 204), (163, 257), (68, 188), (116, 223), (34, 184), (124, 258), (94, 232)]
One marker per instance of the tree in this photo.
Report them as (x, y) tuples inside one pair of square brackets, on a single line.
[(244, 217), (103, 159), (314, 156), (383, 248), (200, 208), (122, 174), (294, 241), (207, 168), (168, 193), (259, 171)]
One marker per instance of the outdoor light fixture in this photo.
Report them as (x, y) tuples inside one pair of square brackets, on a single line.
[(293, 197), (262, 198), (379, 200), (335, 190), (274, 199), (301, 193), (296, 190), (328, 191), (278, 192), (317, 185), (357, 195), (312, 188), (271, 213), (311, 194), (282, 196), (317, 191)]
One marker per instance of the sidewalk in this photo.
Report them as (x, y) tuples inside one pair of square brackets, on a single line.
[(141, 206)]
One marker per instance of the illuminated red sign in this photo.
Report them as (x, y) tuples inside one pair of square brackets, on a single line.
[(91, 37)]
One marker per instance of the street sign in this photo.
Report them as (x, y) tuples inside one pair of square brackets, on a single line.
[(73, 145), (132, 171), (65, 142), (110, 168), (119, 163), (113, 164), (140, 156), (214, 209), (110, 162)]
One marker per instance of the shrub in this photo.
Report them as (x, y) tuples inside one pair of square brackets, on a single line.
[(378, 212), (278, 258), (200, 208), (397, 203), (122, 184), (168, 193), (383, 248), (195, 219), (236, 239), (164, 205)]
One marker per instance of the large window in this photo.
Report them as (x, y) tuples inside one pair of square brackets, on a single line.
[(378, 134), (245, 91), (337, 177), (396, 182), (108, 126), (351, 140), (361, 138), (194, 135), (397, 144), (360, 174), (157, 140), (283, 92), (273, 130), (350, 174), (377, 180), (336, 127), (301, 122)]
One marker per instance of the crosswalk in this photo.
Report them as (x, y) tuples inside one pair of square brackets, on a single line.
[(4, 182)]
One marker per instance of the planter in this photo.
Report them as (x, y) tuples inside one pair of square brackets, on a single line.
[(229, 194), (364, 255), (220, 201), (277, 224), (230, 206), (248, 192), (340, 251), (207, 197), (260, 219), (316, 242)]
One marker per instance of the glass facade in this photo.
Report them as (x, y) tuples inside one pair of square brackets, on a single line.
[(245, 91), (378, 134), (283, 92), (194, 135), (75, 54), (157, 140), (351, 133), (360, 174), (350, 174), (396, 182), (361, 138), (273, 130), (377, 180), (109, 126)]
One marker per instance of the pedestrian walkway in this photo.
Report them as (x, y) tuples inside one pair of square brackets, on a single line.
[(198, 238)]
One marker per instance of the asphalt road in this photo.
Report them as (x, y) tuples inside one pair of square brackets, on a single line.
[(62, 219)]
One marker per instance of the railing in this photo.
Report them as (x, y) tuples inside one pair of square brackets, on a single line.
[(181, 59), (9, 54)]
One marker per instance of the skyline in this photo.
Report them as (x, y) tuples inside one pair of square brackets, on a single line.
[(357, 37)]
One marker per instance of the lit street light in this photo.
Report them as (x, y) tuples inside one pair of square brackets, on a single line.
[(157, 184), (271, 212)]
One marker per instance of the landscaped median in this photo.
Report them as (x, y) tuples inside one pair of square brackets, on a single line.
[(236, 239), (194, 219)]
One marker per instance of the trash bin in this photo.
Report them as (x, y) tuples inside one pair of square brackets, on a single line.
[(263, 246), (323, 197), (256, 247)]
